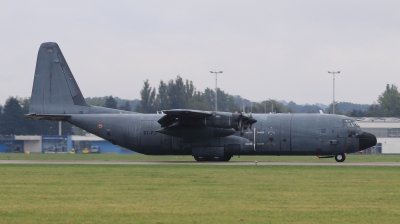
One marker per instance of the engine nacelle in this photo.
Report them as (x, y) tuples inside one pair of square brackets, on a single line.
[(229, 120), (223, 120)]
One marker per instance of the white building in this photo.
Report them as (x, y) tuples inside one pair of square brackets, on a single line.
[(387, 132)]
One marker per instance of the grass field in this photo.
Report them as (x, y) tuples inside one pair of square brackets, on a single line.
[(139, 157), (198, 194)]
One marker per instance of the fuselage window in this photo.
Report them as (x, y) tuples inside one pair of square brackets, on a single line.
[(347, 123), (355, 124)]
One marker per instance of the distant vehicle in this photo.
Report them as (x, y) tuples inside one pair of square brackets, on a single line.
[(95, 149), (206, 135), (17, 150)]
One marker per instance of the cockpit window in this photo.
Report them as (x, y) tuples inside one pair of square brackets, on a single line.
[(349, 123)]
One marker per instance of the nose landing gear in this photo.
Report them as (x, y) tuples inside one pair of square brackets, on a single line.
[(338, 157)]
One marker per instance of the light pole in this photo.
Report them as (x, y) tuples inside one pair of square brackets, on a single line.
[(216, 103), (333, 103), (50, 130)]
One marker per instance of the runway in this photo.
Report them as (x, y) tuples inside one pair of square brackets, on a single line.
[(69, 162)]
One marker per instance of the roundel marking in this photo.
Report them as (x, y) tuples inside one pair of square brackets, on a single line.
[(100, 126)]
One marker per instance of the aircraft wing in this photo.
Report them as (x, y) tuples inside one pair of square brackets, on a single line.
[(171, 116)]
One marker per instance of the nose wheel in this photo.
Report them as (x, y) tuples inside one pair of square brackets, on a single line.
[(340, 157)]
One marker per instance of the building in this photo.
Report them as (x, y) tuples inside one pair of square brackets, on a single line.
[(57, 144), (387, 132)]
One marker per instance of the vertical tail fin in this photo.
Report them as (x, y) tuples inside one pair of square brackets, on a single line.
[(55, 90)]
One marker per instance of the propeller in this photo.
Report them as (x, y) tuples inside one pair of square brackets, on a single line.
[(245, 121)]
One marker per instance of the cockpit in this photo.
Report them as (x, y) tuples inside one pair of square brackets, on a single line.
[(353, 128), (349, 123)]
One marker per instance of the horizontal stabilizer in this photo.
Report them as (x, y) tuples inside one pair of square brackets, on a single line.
[(52, 117)]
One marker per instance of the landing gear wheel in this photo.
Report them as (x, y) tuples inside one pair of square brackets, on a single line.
[(226, 158), (200, 158), (216, 158), (221, 158), (340, 157)]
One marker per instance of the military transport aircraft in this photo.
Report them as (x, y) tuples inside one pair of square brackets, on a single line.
[(206, 135)]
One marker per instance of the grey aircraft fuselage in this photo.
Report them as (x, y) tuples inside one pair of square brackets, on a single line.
[(272, 134), (207, 135)]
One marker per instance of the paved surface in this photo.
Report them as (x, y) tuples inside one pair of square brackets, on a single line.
[(195, 163)]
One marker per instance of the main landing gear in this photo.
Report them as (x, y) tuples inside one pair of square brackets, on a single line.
[(340, 157), (212, 158)]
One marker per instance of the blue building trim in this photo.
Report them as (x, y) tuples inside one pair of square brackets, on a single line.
[(69, 143), (63, 144)]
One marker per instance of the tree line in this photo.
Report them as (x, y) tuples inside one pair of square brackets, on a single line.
[(182, 94), (13, 121)]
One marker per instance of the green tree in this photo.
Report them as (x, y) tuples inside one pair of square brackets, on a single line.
[(209, 96), (269, 106), (162, 100), (189, 90), (110, 102), (356, 113), (32, 126), (329, 110), (147, 95), (96, 101), (347, 107), (198, 102), (389, 102), (126, 106), (12, 119), (177, 93), (303, 108), (180, 94), (373, 111), (42, 127), (225, 101)]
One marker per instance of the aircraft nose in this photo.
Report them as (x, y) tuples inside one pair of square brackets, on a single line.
[(367, 140)]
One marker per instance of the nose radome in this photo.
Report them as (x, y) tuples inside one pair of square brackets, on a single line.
[(367, 140)]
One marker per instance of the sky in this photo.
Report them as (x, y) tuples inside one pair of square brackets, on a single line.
[(279, 50)]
